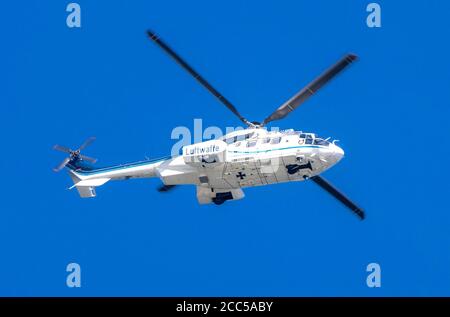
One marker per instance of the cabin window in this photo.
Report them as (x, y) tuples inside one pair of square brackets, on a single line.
[(309, 139), (244, 136), (251, 143), (230, 140), (275, 140), (265, 140)]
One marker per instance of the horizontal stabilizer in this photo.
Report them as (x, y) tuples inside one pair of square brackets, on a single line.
[(92, 182), (86, 191)]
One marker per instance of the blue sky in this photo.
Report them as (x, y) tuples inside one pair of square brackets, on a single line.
[(390, 111)]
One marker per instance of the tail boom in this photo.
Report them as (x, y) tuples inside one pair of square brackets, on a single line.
[(86, 180)]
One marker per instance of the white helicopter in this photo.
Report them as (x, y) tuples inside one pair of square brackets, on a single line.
[(221, 168)]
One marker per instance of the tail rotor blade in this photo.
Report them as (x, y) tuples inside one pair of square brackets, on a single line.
[(86, 143), (62, 165), (62, 148), (88, 158)]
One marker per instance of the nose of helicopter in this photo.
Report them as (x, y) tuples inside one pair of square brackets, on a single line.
[(335, 154), (338, 152), (331, 155)]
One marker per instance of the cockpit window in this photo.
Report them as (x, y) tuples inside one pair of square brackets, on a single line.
[(275, 140), (319, 141), (309, 139)]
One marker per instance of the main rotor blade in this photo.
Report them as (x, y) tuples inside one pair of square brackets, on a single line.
[(86, 143), (310, 89), (338, 195), (62, 148), (196, 75), (88, 158), (165, 188), (61, 166)]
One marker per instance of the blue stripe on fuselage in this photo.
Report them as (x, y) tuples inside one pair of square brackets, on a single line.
[(283, 148), (116, 167)]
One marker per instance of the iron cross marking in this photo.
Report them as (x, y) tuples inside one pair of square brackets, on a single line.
[(240, 175)]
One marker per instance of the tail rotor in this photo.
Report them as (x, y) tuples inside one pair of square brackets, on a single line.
[(74, 155)]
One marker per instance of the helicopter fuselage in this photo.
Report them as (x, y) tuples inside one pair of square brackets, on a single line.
[(244, 158)]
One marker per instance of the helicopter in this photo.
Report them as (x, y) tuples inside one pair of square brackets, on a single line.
[(221, 168)]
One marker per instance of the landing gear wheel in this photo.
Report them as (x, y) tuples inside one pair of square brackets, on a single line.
[(218, 201)]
